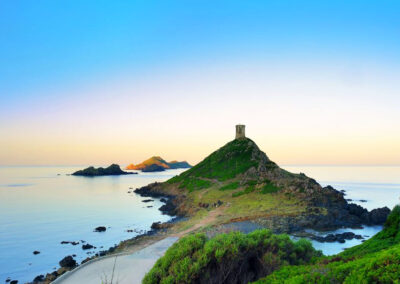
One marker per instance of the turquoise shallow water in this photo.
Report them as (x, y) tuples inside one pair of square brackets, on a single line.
[(39, 209), (42, 206)]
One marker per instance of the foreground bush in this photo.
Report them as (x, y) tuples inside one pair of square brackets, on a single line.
[(228, 258)]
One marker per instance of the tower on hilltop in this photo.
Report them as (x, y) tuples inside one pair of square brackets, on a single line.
[(240, 131)]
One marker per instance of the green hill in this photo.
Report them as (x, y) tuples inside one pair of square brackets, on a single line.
[(249, 186)]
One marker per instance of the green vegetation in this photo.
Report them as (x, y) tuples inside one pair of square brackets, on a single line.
[(269, 187), (192, 184), (226, 163), (248, 190), (375, 261), (196, 259), (230, 186)]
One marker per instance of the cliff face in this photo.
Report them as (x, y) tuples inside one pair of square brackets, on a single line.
[(241, 168)]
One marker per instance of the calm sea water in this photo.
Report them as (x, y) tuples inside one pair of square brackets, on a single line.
[(42, 206), (39, 209)]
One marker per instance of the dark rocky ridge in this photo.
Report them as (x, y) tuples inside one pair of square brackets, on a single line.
[(112, 170)]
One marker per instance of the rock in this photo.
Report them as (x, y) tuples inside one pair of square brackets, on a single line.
[(147, 200), (8, 279), (36, 252), (378, 216), (149, 206), (204, 205), (112, 170), (62, 270), (159, 225), (341, 238), (363, 200), (51, 276), (153, 168), (100, 229), (67, 262), (163, 200), (14, 282), (87, 246), (168, 208), (39, 278), (85, 260)]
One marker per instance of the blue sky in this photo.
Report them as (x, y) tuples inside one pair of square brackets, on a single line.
[(46, 43), (54, 52)]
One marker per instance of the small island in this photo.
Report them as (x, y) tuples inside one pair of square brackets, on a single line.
[(113, 170), (158, 164)]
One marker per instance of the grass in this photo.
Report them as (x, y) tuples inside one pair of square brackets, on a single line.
[(226, 163), (269, 187), (195, 259), (192, 184), (230, 186), (247, 190)]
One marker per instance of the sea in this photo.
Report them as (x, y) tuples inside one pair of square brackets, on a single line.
[(41, 206)]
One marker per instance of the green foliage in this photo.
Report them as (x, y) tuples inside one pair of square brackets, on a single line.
[(230, 186), (226, 163), (192, 184), (248, 190), (381, 267), (375, 261), (269, 187), (196, 259)]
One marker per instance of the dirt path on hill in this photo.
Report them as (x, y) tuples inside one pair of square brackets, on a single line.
[(209, 219)]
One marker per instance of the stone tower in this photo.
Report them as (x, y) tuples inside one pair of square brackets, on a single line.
[(240, 131)]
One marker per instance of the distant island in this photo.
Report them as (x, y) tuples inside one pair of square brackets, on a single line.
[(157, 164), (113, 170)]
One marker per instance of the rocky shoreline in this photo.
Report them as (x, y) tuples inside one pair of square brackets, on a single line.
[(68, 263), (340, 213)]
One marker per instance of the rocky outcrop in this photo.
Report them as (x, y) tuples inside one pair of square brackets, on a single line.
[(156, 163), (153, 168), (112, 170), (100, 229), (68, 262)]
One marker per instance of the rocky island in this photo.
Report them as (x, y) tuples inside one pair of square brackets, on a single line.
[(249, 186), (157, 164), (112, 170)]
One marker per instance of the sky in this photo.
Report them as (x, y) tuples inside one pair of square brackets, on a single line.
[(100, 82)]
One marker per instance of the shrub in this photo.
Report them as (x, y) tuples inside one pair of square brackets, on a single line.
[(230, 186), (194, 259)]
